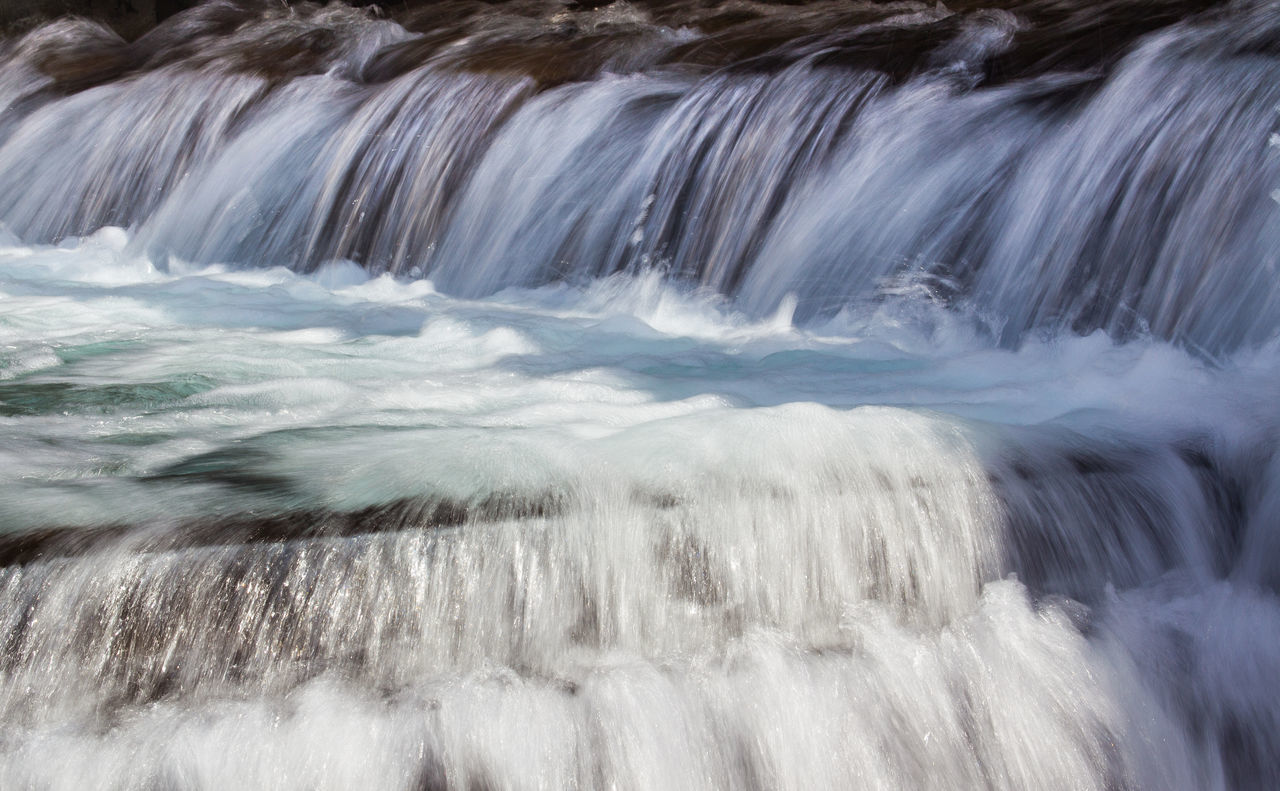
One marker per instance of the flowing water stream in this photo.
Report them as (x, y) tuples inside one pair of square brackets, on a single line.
[(668, 395)]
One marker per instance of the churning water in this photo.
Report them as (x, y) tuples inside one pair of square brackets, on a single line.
[(656, 396)]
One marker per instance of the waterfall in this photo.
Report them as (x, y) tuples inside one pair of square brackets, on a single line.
[(682, 395)]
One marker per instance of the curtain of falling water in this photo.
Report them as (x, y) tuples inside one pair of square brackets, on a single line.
[(266, 530)]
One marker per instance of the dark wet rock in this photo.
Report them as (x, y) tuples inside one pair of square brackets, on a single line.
[(130, 18), (29, 546), (275, 41), (556, 41)]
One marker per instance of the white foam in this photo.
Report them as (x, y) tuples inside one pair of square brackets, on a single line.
[(793, 538)]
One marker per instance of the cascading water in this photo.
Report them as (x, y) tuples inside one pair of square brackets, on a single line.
[(658, 395)]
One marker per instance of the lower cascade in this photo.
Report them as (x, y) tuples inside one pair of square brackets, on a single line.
[(539, 394)]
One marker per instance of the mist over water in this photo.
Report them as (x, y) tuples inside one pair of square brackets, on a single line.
[(737, 396)]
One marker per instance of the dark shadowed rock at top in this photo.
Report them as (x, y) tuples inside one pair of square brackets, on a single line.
[(130, 18)]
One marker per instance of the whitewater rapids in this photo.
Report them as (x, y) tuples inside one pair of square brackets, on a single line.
[(375, 417)]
